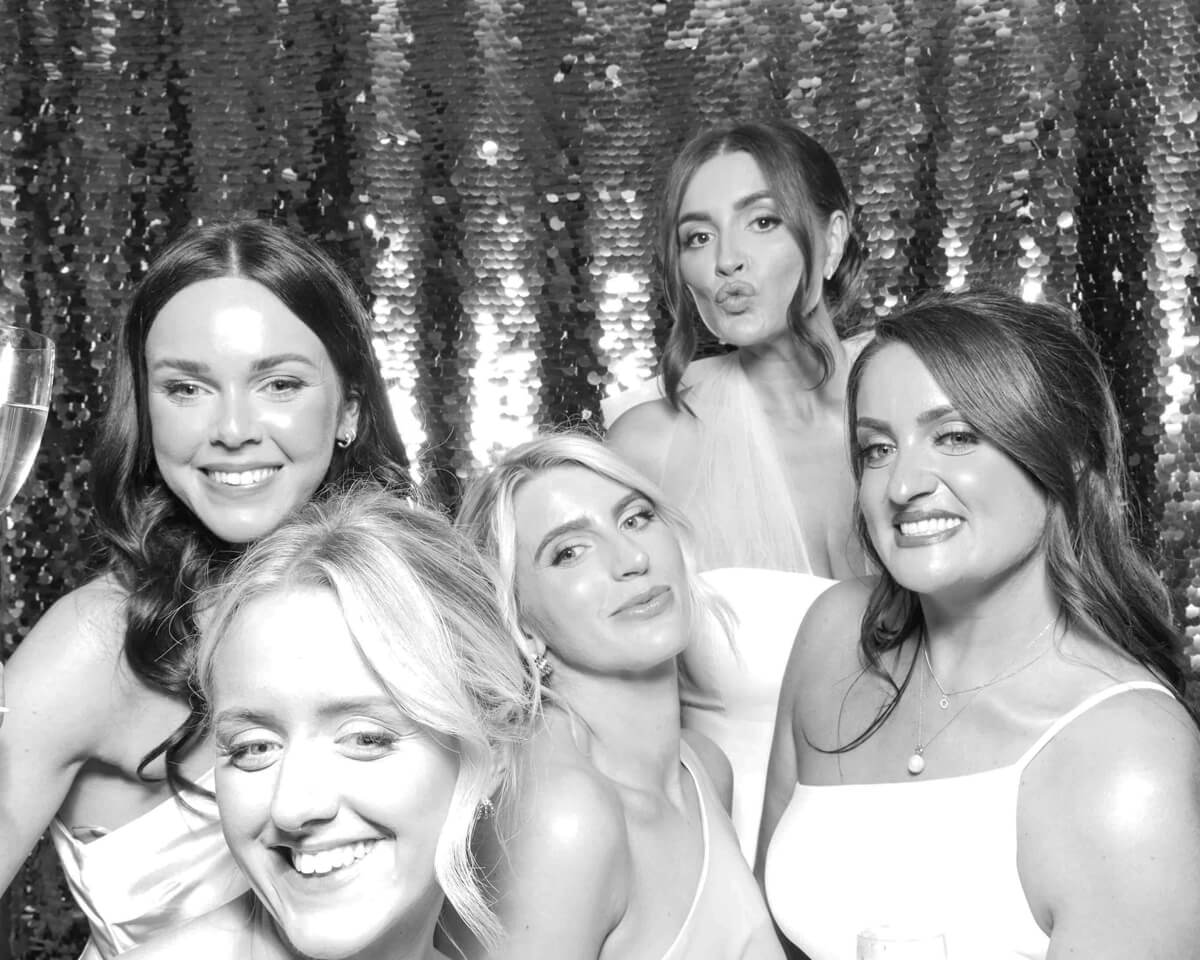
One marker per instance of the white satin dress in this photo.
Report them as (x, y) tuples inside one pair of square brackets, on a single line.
[(158, 871)]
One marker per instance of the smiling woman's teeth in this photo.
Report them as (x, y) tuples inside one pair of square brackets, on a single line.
[(243, 478), (921, 528), (326, 861)]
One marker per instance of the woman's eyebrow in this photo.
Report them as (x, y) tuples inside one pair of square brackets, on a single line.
[(739, 205)]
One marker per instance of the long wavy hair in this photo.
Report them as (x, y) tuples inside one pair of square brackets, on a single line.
[(488, 513), (808, 189), (158, 551), (422, 613), (1027, 379)]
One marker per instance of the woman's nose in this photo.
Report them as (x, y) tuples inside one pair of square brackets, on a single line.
[(305, 794), (631, 558), (236, 420), (910, 476), (731, 258)]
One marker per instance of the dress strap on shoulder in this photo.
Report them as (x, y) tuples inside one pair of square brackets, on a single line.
[(1084, 707)]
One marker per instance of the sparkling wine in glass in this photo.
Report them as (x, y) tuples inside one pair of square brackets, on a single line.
[(26, 376), (896, 943)]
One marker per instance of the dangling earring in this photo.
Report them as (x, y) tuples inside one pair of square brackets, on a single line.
[(542, 664), (344, 442), (486, 809)]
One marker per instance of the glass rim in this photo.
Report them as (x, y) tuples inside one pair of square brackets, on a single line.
[(11, 335)]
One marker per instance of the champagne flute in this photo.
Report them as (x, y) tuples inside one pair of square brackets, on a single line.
[(26, 376), (896, 943)]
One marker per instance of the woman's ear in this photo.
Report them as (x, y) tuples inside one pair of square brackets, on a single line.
[(348, 421), (534, 645), (837, 231)]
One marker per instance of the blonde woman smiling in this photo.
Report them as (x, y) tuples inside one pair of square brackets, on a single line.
[(364, 699)]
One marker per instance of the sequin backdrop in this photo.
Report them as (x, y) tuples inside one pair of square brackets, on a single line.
[(488, 170)]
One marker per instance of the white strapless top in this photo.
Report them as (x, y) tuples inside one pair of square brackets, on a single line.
[(166, 867)]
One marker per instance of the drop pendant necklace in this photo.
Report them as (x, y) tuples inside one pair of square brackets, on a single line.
[(916, 761)]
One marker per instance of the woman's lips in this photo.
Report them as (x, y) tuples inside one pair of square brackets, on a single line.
[(646, 605)]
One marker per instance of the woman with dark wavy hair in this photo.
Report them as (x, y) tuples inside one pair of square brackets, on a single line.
[(989, 741), (243, 383), (757, 242)]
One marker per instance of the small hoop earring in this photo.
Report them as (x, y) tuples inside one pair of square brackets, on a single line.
[(542, 664), (343, 442)]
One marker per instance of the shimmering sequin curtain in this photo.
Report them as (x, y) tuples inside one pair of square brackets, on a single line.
[(488, 170)]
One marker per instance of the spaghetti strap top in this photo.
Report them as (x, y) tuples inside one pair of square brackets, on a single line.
[(728, 919), (937, 854), (158, 871), (1092, 701)]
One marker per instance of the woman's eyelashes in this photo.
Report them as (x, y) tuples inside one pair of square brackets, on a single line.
[(275, 387), (957, 439), (566, 554), (250, 751), (875, 453), (284, 387), (357, 739), (369, 743), (181, 390), (766, 221), (761, 223), (639, 518), (954, 439), (633, 521)]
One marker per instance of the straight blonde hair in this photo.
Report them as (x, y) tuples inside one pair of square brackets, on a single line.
[(421, 609)]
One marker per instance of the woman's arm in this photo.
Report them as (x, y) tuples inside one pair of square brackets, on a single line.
[(60, 694), (826, 647), (561, 877), (1109, 842), (782, 766)]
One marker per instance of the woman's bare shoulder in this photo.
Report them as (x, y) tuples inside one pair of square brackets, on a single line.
[(655, 438), (77, 643), (566, 851), (559, 785), (830, 629), (87, 623), (826, 652), (1115, 797), (640, 435), (1143, 735)]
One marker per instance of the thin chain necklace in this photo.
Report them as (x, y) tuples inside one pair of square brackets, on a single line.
[(916, 762), (944, 700)]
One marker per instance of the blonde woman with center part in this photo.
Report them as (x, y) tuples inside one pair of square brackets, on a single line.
[(618, 846)]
